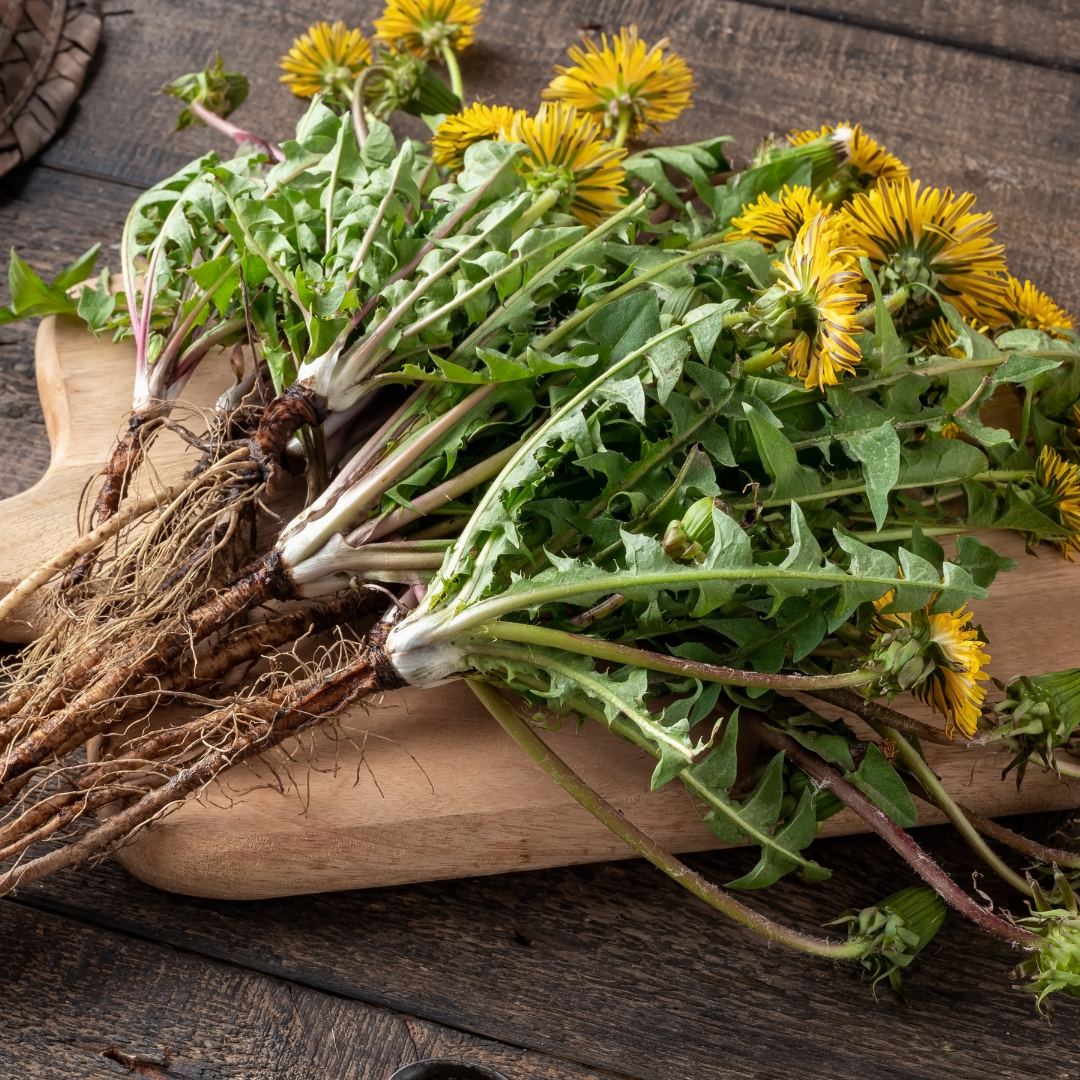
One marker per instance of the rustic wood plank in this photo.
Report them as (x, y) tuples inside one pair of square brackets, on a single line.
[(613, 966), (1043, 32), (81, 1001)]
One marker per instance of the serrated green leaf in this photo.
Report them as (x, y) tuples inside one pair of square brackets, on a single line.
[(880, 782), (781, 858), (624, 326), (879, 453), (790, 478), (78, 271)]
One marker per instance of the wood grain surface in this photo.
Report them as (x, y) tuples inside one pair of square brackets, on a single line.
[(609, 966), (162, 1013), (615, 967)]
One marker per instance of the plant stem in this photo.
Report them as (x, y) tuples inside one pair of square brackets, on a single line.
[(644, 845), (528, 634), (897, 839), (359, 121), (237, 134), (575, 320), (626, 114), (944, 802), (893, 303), (763, 360), (871, 711), (1032, 849), (453, 69), (541, 205)]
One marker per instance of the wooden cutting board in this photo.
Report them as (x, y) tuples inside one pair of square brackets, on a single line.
[(424, 785)]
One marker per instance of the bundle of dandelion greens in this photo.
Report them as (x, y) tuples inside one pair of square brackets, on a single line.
[(634, 436)]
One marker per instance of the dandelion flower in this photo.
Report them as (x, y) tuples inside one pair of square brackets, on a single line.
[(952, 688), (820, 287), (1058, 491), (474, 124), (931, 237), (959, 653), (770, 220), (566, 155), (868, 159), (428, 28), (1029, 309), (626, 85), (326, 58)]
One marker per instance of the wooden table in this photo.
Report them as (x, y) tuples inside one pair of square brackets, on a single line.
[(590, 971)]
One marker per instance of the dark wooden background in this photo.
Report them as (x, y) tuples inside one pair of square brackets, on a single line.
[(592, 971)]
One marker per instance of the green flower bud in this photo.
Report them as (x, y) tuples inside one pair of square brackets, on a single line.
[(1039, 714), (895, 931), (1055, 965)]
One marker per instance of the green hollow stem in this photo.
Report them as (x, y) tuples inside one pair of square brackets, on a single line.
[(541, 205), (843, 490), (453, 69), (893, 303), (626, 115), (523, 734), (575, 320), (763, 360), (945, 803), (896, 838), (528, 634), (1033, 850)]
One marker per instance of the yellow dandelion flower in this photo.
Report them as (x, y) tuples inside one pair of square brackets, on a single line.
[(868, 159), (932, 237), (770, 220), (1029, 309), (821, 288), (1058, 491), (567, 156), (474, 124), (326, 58), (428, 28), (626, 85), (952, 688)]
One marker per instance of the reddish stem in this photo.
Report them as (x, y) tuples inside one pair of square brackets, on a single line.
[(238, 134), (896, 838)]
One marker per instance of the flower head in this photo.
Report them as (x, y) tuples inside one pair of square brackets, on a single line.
[(931, 237), (868, 160), (472, 125), (1058, 491), (951, 653), (326, 58), (770, 220), (565, 151), (819, 287), (1029, 309), (426, 27), (625, 79)]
